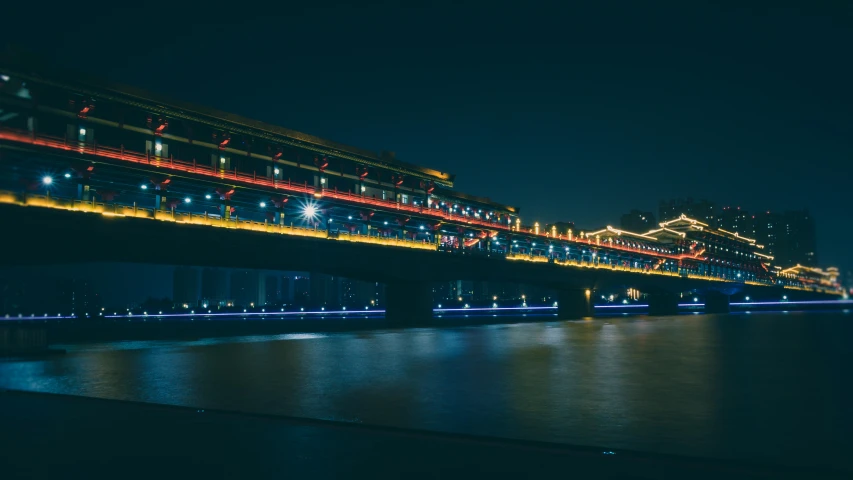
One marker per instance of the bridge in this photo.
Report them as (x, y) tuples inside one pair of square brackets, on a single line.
[(173, 183)]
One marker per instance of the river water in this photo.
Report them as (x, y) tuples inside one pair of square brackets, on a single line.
[(768, 386)]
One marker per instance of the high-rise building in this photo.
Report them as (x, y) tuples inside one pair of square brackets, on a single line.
[(323, 290), (638, 221), (736, 220), (47, 295), (248, 288), (768, 227), (185, 287), (798, 245), (363, 293), (701, 210), (273, 292), (285, 289), (301, 290), (214, 287), (84, 298)]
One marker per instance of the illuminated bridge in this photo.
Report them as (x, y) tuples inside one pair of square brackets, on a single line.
[(92, 171)]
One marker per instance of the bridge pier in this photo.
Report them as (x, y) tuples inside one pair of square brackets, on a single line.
[(716, 302), (408, 302), (574, 304), (663, 304)]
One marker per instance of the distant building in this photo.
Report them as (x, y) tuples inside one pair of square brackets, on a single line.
[(638, 221), (301, 290), (84, 298), (285, 289), (185, 283), (273, 291), (701, 210), (736, 220), (248, 288), (323, 290), (54, 296), (799, 243), (364, 293), (214, 287)]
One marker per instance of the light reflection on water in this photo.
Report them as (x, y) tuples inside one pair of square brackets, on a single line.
[(773, 386)]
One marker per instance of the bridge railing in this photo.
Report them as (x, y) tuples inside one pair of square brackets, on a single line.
[(213, 220), (232, 174)]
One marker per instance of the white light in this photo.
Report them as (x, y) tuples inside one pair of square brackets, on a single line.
[(494, 305), (82, 131), (47, 180), (207, 196), (67, 175), (386, 222), (439, 305), (695, 299), (158, 146), (322, 181), (349, 217), (263, 204), (363, 188), (747, 299), (221, 159), (301, 309), (310, 211), (277, 171), (145, 187), (187, 200), (5, 78), (784, 297), (422, 227)]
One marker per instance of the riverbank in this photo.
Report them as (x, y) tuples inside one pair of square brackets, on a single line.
[(50, 436)]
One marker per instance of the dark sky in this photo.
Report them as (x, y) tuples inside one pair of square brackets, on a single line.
[(571, 113)]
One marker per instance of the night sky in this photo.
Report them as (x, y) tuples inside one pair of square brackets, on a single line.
[(572, 113)]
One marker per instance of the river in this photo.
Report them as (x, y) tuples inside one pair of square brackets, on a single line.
[(768, 386)]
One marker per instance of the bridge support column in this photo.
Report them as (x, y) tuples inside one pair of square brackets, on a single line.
[(574, 304), (663, 304), (716, 302), (408, 302)]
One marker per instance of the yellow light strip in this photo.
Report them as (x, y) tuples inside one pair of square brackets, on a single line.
[(113, 210)]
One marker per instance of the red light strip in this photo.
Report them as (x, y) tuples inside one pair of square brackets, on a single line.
[(182, 166)]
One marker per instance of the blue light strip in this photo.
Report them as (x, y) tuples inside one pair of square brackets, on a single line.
[(437, 310), (33, 317)]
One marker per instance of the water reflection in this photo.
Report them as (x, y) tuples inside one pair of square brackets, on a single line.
[(759, 385)]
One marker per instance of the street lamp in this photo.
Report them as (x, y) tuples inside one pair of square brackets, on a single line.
[(47, 180)]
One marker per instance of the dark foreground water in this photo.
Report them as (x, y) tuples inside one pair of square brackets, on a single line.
[(769, 386)]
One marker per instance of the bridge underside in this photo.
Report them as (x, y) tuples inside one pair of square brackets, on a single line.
[(49, 236)]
